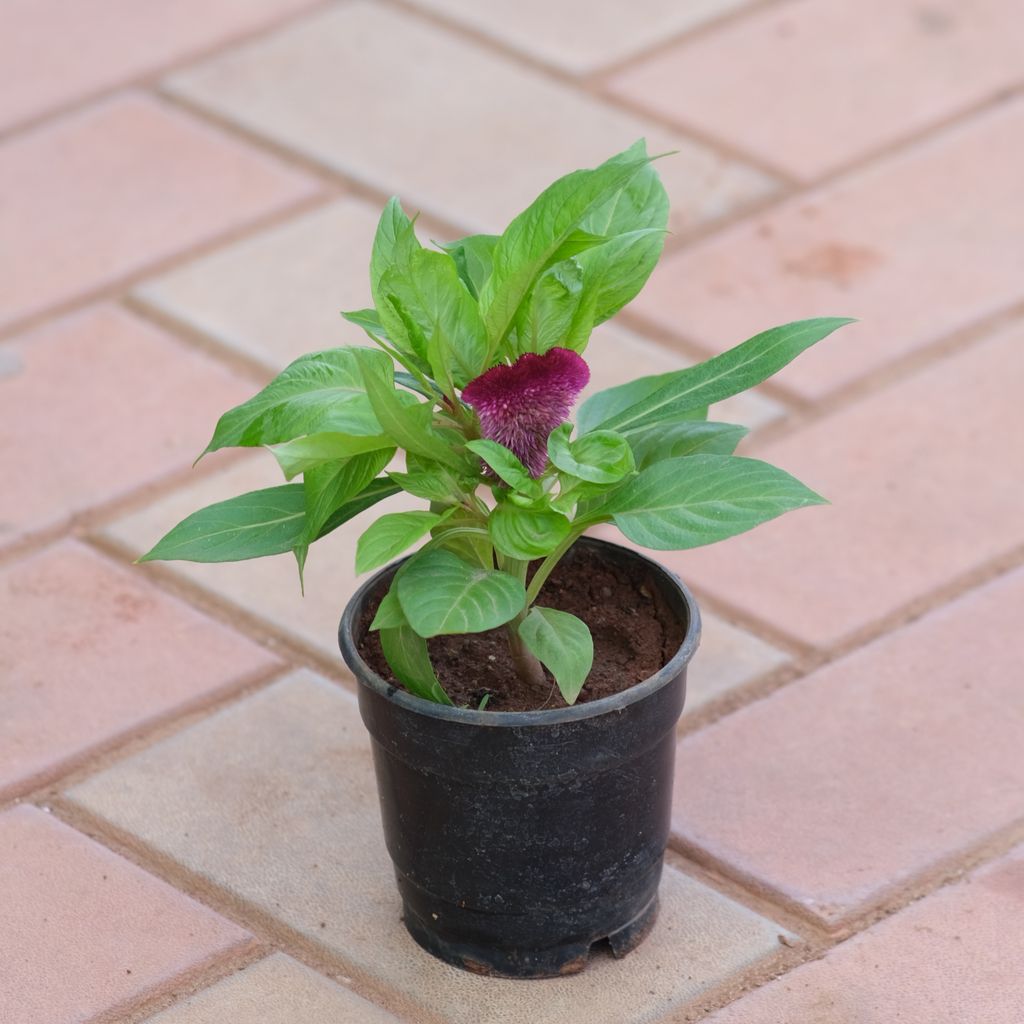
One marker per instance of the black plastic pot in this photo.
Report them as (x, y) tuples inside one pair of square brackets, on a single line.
[(520, 839)]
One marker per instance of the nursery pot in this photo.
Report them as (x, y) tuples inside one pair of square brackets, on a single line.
[(520, 839)]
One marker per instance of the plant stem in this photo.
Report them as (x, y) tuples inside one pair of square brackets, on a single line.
[(544, 570), (528, 668)]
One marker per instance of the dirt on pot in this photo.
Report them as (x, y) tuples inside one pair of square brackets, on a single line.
[(634, 631)]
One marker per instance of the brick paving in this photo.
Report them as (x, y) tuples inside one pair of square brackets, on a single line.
[(188, 827)]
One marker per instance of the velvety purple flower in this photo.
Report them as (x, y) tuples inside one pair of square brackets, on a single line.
[(519, 405)]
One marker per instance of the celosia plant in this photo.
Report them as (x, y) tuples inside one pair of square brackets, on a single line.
[(477, 365)]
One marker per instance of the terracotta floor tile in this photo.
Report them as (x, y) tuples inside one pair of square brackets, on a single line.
[(53, 53), (89, 651), (841, 788), (473, 156), (951, 958), (109, 190), (277, 990), (96, 405), (86, 931), (579, 35), (885, 245), (845, 78)]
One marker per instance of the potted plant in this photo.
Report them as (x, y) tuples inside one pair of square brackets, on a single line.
[(521, 681)]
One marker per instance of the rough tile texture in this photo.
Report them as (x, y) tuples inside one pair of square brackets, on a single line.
[(89, 651), (840, 788), (173, 182), (125, 429), (268, 587), (951, 958), (277, 295), (277, 990), (408, 134), (579, 35), (84, 930), (616, 355), (908, 513), (885, 245), (274, 800), (882, 70), (101, 43), (727, 660)]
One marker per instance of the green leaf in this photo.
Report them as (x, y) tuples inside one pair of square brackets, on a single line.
[(252, 525), (435, 303), (546, 318), (721, 377), (563, 644), (507, 465), (372, 493), (685, 437), (600, 457), (635, 221), (409, 426), (334, 484), (534, 239), (392, 534), (368, 320), (526, 533), (433, 484), (305, 453), (409, 659), (699, 499), (389, 613), (603, 405), (473, 256), (319, 392), (442, 594), (393, 244)]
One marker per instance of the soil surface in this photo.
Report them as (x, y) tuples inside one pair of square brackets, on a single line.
[(635, 634)]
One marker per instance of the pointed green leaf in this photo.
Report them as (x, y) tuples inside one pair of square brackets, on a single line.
[(409, 659), (375, 491), (547, 316), (389, 613), (563, 644), (526, 533), (686, 437), (700, 499), (334, 484), (392, 534), (306, 453), (473, 258), (506, 464), (721, 377), (442, 594), (320, 392), (409, 426), (534, 239), (252, 525), (600, 457)]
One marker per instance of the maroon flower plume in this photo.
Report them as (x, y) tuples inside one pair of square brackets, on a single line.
[(519, 405)]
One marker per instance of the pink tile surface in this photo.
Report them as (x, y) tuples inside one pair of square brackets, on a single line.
[(853, 781), (104, 192), (811, 85), (52, 52), (952, 958), (918, 499), (96, 405), (89, 651), (84, 930), (913, 246)]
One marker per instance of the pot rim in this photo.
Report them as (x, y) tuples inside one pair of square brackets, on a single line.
[(523, 719)]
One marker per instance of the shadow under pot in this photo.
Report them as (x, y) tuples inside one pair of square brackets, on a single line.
[(520, 839)]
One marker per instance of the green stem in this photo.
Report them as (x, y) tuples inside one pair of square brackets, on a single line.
[(540, 577)]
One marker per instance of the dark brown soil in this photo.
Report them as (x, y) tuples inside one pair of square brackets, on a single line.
[(634, 632)]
